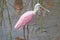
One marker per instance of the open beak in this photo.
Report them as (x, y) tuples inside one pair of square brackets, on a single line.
[(44, 8)]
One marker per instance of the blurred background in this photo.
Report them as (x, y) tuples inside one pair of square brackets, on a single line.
[(11, 10)]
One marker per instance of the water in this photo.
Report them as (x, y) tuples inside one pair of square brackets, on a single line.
[(51, 23)]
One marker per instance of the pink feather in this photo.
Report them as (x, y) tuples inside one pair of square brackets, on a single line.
[(24, 19)]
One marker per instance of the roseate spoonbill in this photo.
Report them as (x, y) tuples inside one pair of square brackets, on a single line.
[(27, 16)]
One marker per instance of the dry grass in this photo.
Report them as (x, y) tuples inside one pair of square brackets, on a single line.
[(18, 5), (18, 38)]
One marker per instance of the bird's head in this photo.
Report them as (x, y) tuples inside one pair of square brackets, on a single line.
[(38, 6)]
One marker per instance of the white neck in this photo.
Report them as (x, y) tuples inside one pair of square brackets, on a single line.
[(34, 11)]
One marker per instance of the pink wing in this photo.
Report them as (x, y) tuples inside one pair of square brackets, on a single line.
[(23, 21)]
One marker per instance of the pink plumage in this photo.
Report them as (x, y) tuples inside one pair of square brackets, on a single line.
[(24, 19)]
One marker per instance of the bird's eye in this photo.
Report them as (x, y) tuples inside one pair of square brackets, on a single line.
[(40, 7)]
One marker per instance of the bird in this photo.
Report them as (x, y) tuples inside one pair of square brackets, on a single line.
[(27, 17)]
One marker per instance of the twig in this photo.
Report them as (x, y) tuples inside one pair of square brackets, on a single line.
[(41, 2), (9, 22)]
